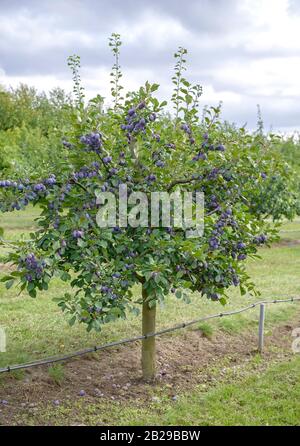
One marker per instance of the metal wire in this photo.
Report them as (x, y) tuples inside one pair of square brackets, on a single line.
[(53, 359)]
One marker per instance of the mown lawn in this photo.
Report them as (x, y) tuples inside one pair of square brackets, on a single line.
[(36, 328)]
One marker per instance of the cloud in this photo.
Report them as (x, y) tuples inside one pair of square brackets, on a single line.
[(244, 52)]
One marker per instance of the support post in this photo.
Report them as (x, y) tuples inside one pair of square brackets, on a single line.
[(261, 328), (148, 344)]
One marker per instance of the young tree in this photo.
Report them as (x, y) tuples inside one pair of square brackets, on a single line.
[(133, 144)]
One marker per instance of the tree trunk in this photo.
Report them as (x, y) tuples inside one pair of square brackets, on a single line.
[(148, 345)]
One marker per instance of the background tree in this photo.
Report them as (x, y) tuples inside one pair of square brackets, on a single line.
[(32, 126)]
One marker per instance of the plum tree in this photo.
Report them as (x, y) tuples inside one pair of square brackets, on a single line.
[(134, 143)]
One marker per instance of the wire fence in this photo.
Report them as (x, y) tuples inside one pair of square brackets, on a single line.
[(54, 359)]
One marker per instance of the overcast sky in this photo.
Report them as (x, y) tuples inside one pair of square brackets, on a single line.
[(243, 52)]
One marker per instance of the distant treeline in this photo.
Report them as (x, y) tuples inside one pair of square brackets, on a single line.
[(32, 125)]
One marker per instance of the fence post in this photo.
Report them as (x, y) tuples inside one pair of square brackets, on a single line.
[(261, 328), (2, 340)]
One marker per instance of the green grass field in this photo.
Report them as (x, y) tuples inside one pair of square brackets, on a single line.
[(37, 328)]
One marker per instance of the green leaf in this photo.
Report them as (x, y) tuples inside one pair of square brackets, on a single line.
[(9, 284), (56, 245), (30, 286), (178, 294), (72, 321), (5, 278), (32, 293), (81, 243), (223, 301), (154, 87), (65, 276)]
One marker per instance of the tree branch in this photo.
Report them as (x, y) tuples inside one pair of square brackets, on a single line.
[(181, 181)]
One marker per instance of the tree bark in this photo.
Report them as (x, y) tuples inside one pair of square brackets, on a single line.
[(148, 345)]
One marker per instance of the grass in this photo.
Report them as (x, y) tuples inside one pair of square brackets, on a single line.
[(36, 328), (291, 230), (56, 373), (266, 400), (206, 329)]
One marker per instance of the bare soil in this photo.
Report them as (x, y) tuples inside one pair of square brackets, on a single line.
[(183, 361)]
